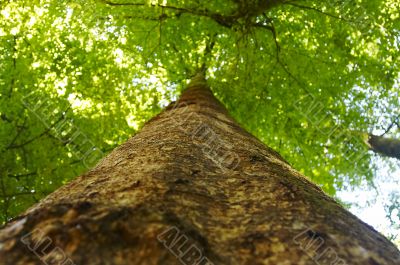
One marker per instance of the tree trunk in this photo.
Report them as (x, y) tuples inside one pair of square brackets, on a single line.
[(192, 187), (385, 146)]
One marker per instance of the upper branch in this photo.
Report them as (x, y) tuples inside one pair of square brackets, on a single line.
[(246, 10), (316, 10)]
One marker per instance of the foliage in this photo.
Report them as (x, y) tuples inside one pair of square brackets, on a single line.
[(78, 78), (393, 212)]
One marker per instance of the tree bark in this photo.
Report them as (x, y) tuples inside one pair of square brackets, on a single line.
[(385, 146), (192, 187)]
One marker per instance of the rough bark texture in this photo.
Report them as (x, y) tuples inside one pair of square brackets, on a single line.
[(384, 146), (192, 187)]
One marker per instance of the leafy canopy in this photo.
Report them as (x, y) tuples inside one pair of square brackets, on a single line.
[(78, 78)]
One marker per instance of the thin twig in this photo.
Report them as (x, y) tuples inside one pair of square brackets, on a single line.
[(13, 146), (316, 10), (394, 122)]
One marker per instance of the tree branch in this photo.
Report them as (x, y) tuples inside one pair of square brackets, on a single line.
[(19, 131), (271, 28), (394, 122), (386, 146), (18, 176), (13, 146), (14, 62), (226, 21), (316, 10)]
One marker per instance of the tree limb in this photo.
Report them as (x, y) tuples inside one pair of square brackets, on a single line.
[(316, 10), (13, 146), (394, 122), (389, 147)]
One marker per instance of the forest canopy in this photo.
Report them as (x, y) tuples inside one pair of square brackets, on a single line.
[(315, 80)]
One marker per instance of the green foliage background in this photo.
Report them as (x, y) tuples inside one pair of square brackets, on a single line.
[(78, 78)]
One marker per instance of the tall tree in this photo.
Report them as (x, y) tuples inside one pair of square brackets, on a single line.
[(193, 187), (79, 77)]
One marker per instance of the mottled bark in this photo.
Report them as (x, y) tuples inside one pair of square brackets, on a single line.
[(192, 187), (384, 146)]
